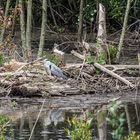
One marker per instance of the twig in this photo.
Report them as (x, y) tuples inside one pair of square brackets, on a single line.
[(37, 119), (26, 64), (84, 56)]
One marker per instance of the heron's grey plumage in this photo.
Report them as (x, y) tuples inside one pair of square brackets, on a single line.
[(51, 68)]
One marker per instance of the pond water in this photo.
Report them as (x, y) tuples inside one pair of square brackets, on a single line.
[(23, 128), (46, 118)]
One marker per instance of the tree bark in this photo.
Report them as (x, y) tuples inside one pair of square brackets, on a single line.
[(80, 29), (101, 37), (29, 28), (43, 28), (22, 28), (14, 18), (5, 16), (123, 30)]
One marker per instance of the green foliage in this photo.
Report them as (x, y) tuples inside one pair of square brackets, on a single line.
[(131, 71), (132, 136), (90, 10), (116, 119), (116, 9), (14, 104), (3, 122), (1, 59), (8, 77), (53, 58), (101, 59), (90, 59), (136, 3), (112, 52), (79, 129)]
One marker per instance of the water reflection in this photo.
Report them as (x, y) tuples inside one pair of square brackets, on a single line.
[(23, 127), (52, 121), (54, 116)]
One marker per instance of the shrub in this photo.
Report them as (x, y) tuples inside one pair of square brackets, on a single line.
[(79, 129)]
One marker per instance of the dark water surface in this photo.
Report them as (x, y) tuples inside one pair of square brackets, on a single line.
[(51, 121)]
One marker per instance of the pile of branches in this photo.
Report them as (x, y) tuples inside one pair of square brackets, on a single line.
[(92, 80), (31, 79)]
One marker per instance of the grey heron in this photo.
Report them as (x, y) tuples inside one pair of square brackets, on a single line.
[(52, 69)]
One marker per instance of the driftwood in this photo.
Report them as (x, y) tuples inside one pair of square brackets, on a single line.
[(112, 67), (78, 55), (102, 68), (57, 51), (122, 67)]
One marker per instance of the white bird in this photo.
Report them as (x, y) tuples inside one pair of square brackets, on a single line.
[(52, 69)]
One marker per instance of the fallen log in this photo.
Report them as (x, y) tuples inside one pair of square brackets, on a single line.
[(102, 68), (122, 67), (112, 67)]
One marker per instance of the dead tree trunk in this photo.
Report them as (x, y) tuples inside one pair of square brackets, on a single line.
[(44, 20), (101, 36), (80, 29), (22, 28), (123, 30), (29, 28), (5, 16), (14, 18)]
